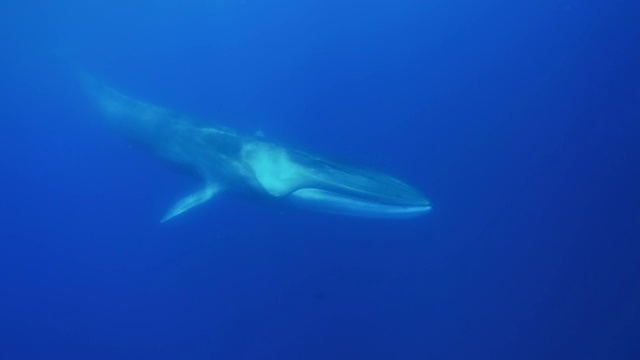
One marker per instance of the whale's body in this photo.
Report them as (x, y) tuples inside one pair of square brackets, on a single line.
[(224, 159)]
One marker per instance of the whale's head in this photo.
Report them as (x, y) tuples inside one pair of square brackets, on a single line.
[(312, 182), (342, 189)]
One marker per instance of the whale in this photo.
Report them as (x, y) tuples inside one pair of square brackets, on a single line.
[(222, 159)]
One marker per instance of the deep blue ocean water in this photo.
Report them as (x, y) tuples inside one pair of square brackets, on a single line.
[(519, 120)]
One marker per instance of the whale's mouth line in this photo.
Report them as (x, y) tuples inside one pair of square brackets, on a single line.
[(351, 204)]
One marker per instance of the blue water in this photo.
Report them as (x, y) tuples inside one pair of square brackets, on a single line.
[(519, 120)]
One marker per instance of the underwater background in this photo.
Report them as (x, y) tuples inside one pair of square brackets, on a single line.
[(518, 120)]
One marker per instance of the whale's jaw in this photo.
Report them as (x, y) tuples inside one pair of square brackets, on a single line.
[(345, 204)]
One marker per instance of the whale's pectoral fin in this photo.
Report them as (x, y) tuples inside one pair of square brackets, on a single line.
[(192, 200)]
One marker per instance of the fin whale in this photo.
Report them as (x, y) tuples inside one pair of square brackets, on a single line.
[(223, 159)]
